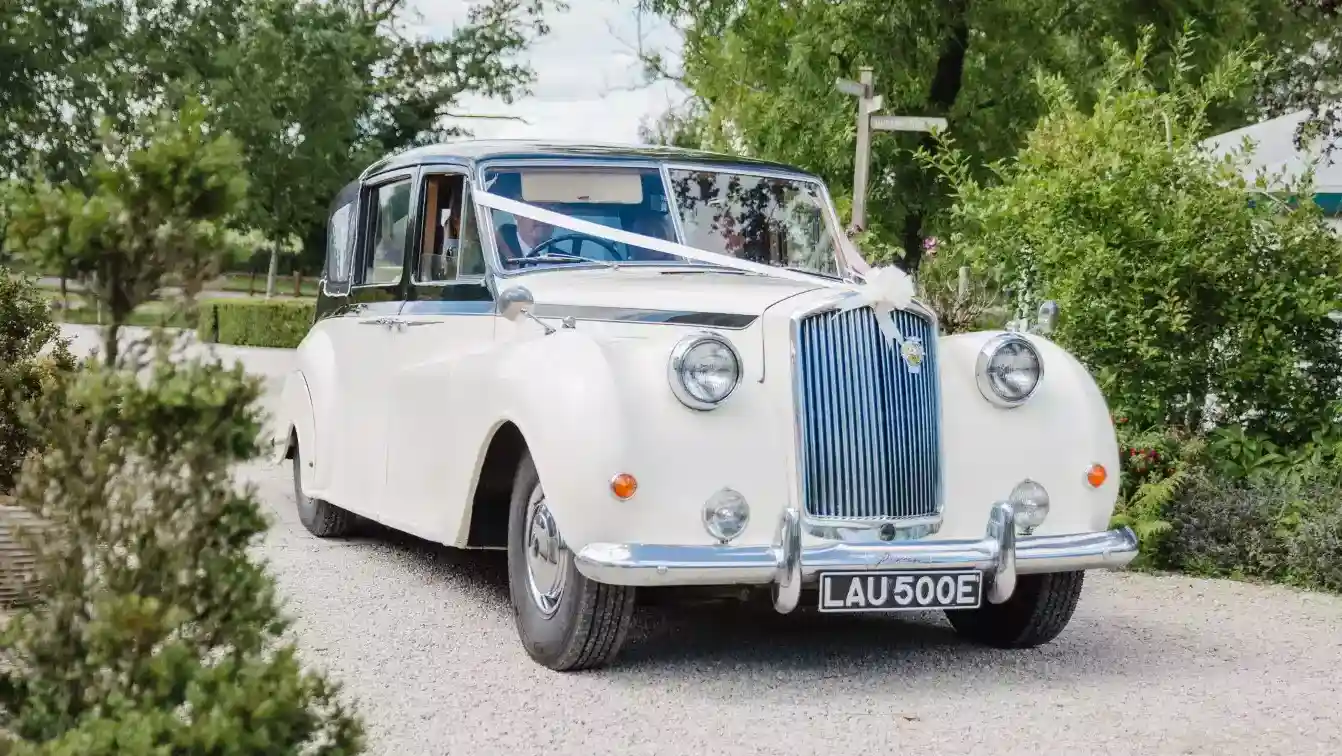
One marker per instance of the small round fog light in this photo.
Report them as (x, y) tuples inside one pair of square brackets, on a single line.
[(1031, 503), (726, 514)]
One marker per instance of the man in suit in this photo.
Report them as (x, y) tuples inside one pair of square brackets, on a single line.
[(520, 239)]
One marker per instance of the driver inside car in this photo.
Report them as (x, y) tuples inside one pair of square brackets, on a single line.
[(521, 240)]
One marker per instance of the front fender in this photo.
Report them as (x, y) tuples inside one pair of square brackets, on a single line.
[(1053, 439), (561, 393)]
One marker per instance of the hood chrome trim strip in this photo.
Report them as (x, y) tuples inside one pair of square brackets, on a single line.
[(727, 320)]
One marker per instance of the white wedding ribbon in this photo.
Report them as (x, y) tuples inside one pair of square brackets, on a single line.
[(886, 289)]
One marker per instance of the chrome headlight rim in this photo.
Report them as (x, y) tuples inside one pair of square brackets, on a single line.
[(675, 365), (990, 349)]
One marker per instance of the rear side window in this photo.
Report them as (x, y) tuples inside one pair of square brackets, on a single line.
[(339, 245)]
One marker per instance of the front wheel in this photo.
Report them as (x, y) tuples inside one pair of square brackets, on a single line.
[(565, 621), (1037, 611)]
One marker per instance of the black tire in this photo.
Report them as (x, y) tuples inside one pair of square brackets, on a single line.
[(322, 518), (1036, 613), (589, 620)]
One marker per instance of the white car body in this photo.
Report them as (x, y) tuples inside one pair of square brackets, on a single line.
[(414, 411)]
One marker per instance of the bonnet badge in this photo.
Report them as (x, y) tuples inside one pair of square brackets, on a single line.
[(911, 351)]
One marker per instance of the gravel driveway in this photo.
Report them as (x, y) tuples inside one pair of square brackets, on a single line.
[(422, 637)]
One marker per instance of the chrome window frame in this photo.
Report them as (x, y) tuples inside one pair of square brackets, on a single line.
[(468, 183), (368, 187), (830, 213)]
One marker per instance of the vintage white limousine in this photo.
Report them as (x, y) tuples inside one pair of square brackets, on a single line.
[(653, 368)]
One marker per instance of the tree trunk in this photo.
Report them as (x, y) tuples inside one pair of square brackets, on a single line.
[(946, 84), (274, 268), (110, 334)]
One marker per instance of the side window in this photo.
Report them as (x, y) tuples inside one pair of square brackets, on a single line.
[(338, 246), (441, 220), (387, 231), (450, 243)]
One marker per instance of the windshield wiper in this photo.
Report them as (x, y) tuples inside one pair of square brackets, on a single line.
[(551, 258)]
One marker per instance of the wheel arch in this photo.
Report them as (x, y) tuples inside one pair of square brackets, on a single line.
[(488, 524), (296, 426)]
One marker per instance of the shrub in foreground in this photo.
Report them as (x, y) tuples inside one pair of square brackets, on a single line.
[(157, 632), (26, 331), (1259, 528), (264, 323)]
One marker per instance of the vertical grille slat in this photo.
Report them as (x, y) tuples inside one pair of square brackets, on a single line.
[(871, 435)]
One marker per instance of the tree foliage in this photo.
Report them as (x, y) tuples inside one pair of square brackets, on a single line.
[(157, 632), (764, 73), (313, 89), (1194, 297), (159, 204), (31, 355)]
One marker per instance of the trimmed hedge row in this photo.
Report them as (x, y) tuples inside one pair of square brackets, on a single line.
[(275, 323)]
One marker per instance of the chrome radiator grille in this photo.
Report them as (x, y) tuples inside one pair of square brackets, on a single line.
[(870, 429)]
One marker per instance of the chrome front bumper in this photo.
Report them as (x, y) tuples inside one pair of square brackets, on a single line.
[(1000, 554)]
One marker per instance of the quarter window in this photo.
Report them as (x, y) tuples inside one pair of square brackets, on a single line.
[(338, 246), (388, 229)]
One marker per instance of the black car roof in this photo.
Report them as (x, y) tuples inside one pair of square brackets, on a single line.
[(469, 152)]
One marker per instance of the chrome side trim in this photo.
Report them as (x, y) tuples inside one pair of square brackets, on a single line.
[(448, 307), (787, 565), (726, 320)]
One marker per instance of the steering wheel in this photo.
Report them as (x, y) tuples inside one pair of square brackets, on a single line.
[(582, 239)]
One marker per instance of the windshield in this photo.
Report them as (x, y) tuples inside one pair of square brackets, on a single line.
[(768, 220), (629, 199)]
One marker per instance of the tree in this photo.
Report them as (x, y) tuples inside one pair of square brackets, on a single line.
[(313, 90), (160, 205), (1195, 298), (764, 72), (156, 631), (1310, 77), (319, 90)]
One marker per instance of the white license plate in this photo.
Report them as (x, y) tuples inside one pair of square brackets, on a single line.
[(900, 591)]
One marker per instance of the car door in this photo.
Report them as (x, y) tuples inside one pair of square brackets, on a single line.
[(360, 337), (444, 329)]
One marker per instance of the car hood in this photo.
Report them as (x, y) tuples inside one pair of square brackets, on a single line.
[(661, 289)]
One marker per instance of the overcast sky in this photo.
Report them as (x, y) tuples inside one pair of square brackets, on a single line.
[(587, 73)]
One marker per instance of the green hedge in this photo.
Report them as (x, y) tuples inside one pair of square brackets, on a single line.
[(273, 323)]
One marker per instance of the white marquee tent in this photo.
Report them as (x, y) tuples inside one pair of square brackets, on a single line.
[(1275, 154)]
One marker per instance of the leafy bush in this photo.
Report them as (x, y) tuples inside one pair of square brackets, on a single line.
[(157, 632), (263, 323), (1156, 468), (26, 331), (1259, 528), (1195, 299)]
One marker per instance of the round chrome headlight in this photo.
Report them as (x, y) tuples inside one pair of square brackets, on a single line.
[(1009, 370), (704, 370), (726, 514), (1031, 502)]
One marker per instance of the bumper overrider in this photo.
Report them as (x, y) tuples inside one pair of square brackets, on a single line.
[(1001, 555)]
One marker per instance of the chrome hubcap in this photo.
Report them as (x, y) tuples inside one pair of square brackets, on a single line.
[(547, 557)]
